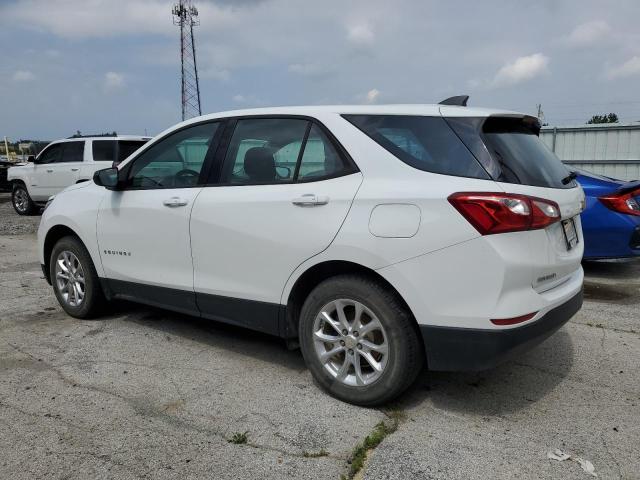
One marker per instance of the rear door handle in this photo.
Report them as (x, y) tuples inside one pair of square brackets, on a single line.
[(75, 169), (50, 170), (175, 202), (310, 200)]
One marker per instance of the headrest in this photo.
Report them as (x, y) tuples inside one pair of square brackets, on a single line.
[(259, 164)]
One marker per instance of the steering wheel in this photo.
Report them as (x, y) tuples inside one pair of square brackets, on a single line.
[(186, 178)]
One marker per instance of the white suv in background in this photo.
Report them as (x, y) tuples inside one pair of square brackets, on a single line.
[(63, 163), (378, 237)]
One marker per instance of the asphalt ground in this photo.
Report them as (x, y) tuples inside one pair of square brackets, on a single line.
[(146, 393)]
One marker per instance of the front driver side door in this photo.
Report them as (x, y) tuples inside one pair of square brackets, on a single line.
[(143, 230)]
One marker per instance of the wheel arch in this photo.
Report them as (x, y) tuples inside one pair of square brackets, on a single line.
[(320, 272), (17, 181), (54, 234)]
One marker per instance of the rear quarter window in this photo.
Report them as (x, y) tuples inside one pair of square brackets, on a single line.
[(425, 143)]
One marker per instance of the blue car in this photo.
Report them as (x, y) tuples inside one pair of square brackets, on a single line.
[(611, 220)]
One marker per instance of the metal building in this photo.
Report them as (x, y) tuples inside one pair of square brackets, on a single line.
[(611, 149)]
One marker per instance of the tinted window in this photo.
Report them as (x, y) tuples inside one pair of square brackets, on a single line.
[(320, 158), (51, 154), (175, 161), (511, 151), (104, 150), (72, 152), (264, 150), (115, 151), (127, 147), (426, 143)]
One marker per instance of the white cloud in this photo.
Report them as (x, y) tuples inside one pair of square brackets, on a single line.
[(588, 33), (23, 76), (239, 98), (628, 69), (372, 95), (113, 81), (360, 34), (521, 70)]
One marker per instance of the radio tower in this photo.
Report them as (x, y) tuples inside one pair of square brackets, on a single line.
[(185, 15)]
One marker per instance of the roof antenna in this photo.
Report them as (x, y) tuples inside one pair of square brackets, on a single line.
[(458, 100)]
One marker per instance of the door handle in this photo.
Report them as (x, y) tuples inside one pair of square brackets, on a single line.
[(175, 202), (310, 200), (50, 170), (75, 169)]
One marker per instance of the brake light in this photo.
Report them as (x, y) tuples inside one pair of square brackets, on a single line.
[(623, 202), (492, 213)]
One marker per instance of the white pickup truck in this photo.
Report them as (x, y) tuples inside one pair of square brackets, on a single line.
[(63, 163)]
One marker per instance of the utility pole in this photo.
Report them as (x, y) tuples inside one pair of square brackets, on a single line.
[(6, 148), (185, 15)]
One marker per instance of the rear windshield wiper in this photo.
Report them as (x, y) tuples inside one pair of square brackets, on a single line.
[(569, 178)]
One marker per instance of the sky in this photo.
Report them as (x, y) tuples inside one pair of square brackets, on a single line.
[(105, 65)]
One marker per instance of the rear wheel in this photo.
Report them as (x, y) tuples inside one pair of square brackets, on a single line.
[(22, 202), (74, 279), (359, 341)]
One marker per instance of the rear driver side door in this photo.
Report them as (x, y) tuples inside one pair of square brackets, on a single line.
[(284, 188)]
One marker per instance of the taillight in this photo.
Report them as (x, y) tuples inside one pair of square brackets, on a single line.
[(492, 213), (623, 202)]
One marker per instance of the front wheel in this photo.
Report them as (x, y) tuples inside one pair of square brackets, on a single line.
[(74, 279), (21, 200), (359, 341)]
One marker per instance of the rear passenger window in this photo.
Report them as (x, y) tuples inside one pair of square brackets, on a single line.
[(280, 150), (127, 147), (425, 143), (320, 158), (104, 150), (264, 150), (72, 152)]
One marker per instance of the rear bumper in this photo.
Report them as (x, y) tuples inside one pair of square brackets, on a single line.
[(466, 349)]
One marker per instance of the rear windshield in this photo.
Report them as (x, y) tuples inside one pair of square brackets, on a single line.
[(510, 150), (426, 143), (115, 150)]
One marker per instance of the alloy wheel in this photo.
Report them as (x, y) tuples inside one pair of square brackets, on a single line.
[(21, 200), (350, 342), (70, 279)]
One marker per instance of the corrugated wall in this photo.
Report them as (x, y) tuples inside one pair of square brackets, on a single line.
[(608, 149)]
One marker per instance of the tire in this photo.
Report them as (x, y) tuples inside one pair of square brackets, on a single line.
[(68, 250), (404, 348), (21, 201)]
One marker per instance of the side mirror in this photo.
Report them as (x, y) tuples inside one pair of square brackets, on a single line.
[(31, 159), (107, 178)]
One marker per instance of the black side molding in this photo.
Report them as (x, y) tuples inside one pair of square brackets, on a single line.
[(260, 316), (458, 100)]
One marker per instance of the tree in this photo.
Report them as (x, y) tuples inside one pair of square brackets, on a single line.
[(606, 118)]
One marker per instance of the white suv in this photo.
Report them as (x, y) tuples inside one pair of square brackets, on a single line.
[(63, 163), (378, 237)]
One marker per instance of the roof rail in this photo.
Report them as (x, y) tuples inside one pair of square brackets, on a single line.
[(79, 135), (459, 100)]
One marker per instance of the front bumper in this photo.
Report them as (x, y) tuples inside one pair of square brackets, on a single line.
[(467, 349)]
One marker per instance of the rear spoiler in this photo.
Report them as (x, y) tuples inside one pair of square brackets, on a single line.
[(629, 187)]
